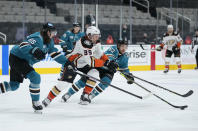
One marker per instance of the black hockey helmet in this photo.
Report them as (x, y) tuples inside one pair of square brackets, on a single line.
[(49, 27), (121, 42), (76, 24), (44, 32)]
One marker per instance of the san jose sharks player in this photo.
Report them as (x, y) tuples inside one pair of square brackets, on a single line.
[(25, 55), (69, 38), (117, 58)]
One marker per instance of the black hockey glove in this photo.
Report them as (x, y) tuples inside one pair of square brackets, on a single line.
[(159, 48), (175, 48), (69, 72), (64, 48), (38, 53), (70, 66), (130, 78), (111, 65)]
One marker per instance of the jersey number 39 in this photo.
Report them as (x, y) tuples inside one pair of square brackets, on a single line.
[(87, 52)]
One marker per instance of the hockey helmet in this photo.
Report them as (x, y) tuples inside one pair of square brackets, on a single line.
[(170, 27), (49, 27), (92, 30), (76, 24), (122, 42)]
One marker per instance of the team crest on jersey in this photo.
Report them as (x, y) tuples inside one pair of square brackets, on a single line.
[(170, 42), (71, 37), (111, 50), (64, 35), (44, 46)]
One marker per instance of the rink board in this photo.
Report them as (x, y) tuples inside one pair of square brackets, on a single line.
[(139, 60), (0, 60)]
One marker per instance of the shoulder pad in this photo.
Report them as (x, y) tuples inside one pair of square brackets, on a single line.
[(68, 32), (175, 33), (165, 34), (86, 43)]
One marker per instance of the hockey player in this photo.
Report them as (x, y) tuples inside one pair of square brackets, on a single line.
[(24, 56), (69, 38), (118, 58), (87, 54), (194, 42), (173, 42)]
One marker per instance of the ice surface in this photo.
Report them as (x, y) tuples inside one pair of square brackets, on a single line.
[(111, 111)]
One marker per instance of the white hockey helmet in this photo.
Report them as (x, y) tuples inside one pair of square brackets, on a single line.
[(170, 27), (92, 30)]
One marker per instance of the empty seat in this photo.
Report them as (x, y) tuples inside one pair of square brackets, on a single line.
[(59, 19), (40, 19), (30, 19)]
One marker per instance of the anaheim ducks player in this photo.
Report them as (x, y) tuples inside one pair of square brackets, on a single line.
[(86, 55), (172, 41)]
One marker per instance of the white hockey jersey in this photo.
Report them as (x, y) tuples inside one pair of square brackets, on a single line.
[(171, 40), (83, 56), (194, 41)]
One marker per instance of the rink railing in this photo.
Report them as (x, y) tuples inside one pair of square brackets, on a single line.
[(139, 60)]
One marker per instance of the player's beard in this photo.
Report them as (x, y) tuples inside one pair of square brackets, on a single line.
[(45, 36)]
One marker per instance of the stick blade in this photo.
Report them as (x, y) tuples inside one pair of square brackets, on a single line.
[(147, 96), (188, 94), (183, 107)]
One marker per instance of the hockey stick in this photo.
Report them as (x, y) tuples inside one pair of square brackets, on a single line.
[(180, 107), (182, 95), (137, 96), (142, 47), (146, 49)]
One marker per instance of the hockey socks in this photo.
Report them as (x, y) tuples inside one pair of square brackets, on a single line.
[(100, 87), (34, 86), (53, 93), (166, 68), (4, 87), (73, 89), (90, 84), (11, 86)]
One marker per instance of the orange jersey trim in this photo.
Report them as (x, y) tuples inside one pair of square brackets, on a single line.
[(178, 44), (98, 63), (73, 57), (104, 57)]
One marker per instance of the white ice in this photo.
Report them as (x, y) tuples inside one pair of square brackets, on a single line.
[(111, 111)]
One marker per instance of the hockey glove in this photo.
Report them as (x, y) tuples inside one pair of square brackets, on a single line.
[(69, 72), (38, 53), (130, 78), (64, 48), (175, 48), (111, 65), (159, 48)]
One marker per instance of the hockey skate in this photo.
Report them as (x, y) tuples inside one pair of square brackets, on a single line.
[(166, 70), (65, 97), (46, 102), (37, 107), (84, 99), (179, 71)]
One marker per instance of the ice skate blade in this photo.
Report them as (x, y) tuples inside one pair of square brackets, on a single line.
[(83, 103), (38, 112), (63, 101)]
